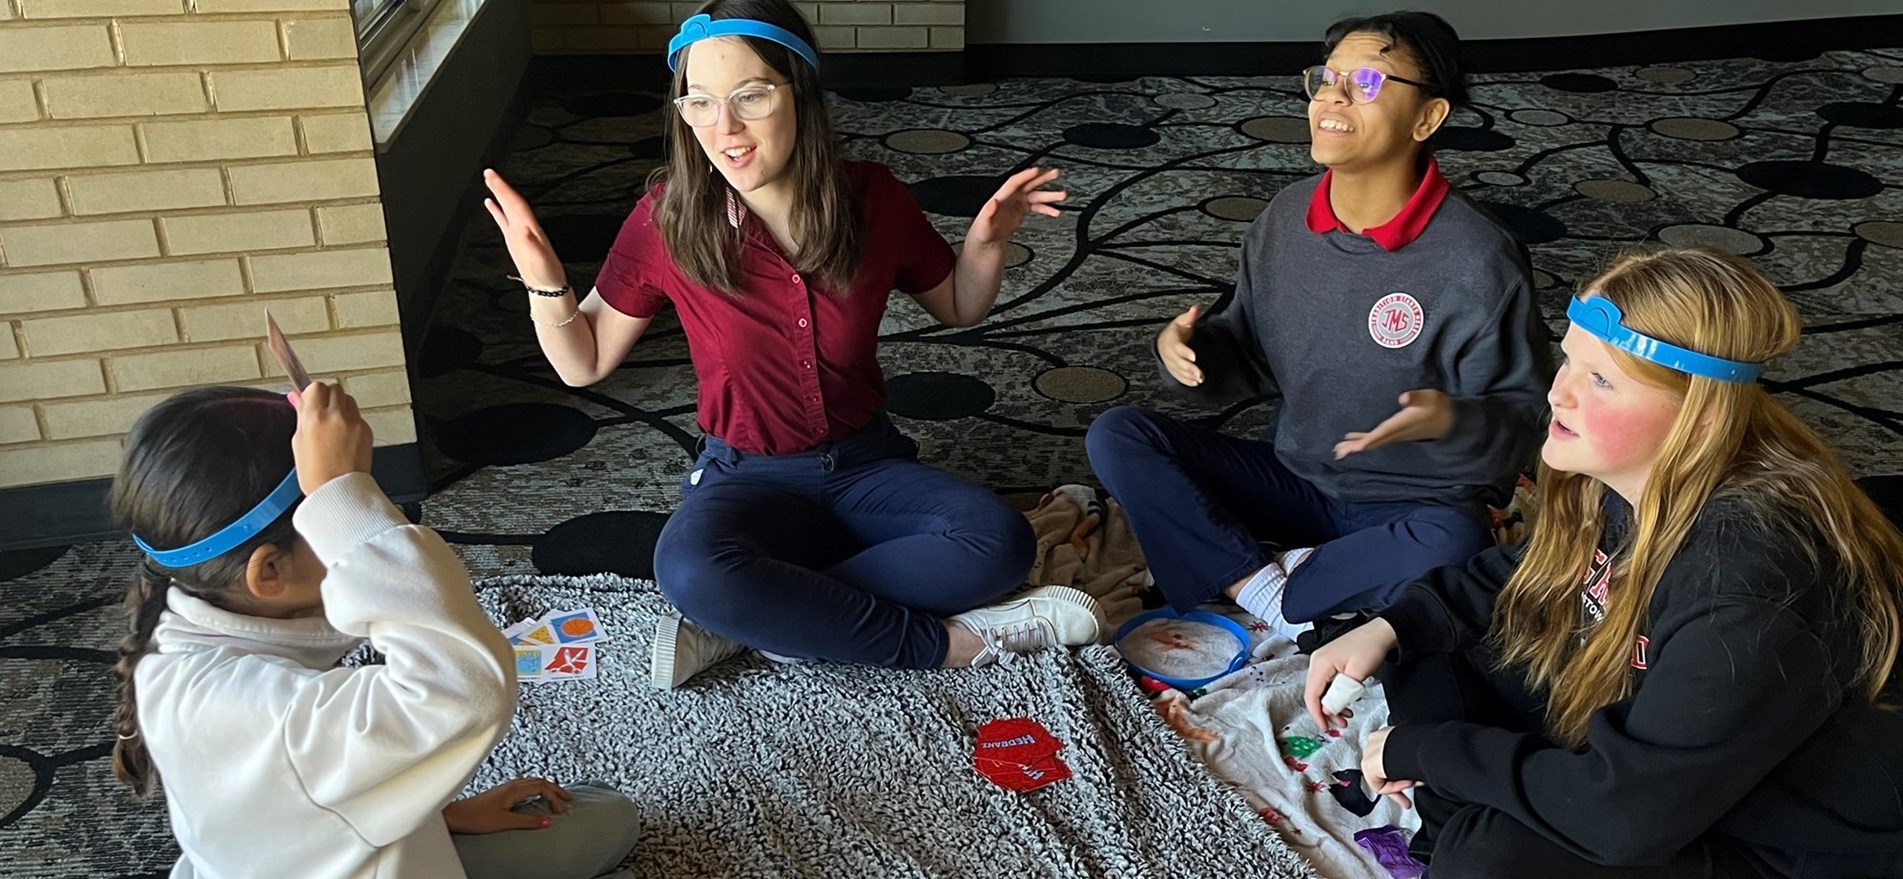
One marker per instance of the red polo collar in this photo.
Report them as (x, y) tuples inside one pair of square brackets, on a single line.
[(1396, 233)]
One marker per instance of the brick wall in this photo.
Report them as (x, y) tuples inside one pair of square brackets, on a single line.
[(604, 26), (169, 169)]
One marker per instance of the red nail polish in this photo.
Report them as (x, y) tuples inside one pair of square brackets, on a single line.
[(547, 821)]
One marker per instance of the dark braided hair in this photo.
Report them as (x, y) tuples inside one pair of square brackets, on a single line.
[(193, 464)]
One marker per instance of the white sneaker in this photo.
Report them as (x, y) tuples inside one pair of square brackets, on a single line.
[(1049, 616), (683, 650)]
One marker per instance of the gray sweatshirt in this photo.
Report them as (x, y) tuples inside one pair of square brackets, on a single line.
[(1341, 328)]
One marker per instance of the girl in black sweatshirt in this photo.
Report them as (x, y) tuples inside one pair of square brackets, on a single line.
[(1690, 667)]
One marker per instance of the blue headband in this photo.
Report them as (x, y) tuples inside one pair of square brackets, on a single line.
[(703, 27), (229, 537), (1600, 317)]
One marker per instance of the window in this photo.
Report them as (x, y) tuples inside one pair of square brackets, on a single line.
[(384, 27)]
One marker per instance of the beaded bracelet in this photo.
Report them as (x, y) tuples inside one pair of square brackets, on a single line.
[(563, 291)]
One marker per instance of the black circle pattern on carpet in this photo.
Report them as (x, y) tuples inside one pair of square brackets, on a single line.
[(615, 542), (938, 396), (1110, 136), (1579, 83), (21, 562), (1471, 139), (516, 433), (956, 195), (1820, 180), (1863, 114), (1530, 225)]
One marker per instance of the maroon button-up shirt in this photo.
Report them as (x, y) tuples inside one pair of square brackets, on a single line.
[(788, 364)]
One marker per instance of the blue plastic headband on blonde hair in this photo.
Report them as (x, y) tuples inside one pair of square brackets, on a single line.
[(231, 536), (704, 27), (1603, 319)]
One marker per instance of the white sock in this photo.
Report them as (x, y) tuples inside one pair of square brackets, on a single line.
[(1262, 596), (1294, 558)]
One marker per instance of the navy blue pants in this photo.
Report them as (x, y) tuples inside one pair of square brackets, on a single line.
[(1202, 504), (852, 552)]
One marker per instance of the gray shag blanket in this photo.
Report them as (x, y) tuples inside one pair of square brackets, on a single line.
[(762, 769)]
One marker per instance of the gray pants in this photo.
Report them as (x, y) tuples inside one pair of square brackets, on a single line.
[(589, 840)]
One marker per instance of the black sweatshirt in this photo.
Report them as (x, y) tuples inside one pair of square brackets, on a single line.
[(1740, 721)]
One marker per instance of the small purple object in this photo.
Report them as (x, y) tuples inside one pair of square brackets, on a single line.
[(1389, 846)]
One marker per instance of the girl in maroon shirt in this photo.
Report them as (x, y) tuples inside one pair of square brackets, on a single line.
[(807, 528)]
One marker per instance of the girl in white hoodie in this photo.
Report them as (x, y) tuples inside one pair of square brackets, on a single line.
[(274, 760)]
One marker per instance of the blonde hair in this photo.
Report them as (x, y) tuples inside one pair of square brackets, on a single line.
[(1728, 438)]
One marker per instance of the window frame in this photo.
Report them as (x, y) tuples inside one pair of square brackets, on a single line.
[(382, 39)]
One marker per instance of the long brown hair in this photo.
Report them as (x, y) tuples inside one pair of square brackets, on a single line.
[(193, 464), (1728, 439), (827, 225)]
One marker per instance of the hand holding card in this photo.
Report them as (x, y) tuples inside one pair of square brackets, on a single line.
[(332, 438)]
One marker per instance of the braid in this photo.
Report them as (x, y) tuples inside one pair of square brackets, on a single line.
[(193, 464), (145, 601)]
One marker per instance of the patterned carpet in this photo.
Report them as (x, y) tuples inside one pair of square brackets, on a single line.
[(1796, 164)]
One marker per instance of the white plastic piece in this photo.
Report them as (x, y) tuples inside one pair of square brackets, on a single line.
[(1342, 692)]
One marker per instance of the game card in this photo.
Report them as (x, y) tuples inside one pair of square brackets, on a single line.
[(575, 626), (528, 663), (515, 630), (540, 633), (568, 662)]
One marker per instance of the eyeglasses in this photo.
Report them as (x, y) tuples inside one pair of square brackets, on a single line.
[(1363, 84), (749, 103)]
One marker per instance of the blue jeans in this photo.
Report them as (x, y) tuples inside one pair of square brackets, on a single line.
[(852, 552), (1202, 504)]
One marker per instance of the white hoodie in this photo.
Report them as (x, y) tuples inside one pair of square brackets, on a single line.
[(275, 762)]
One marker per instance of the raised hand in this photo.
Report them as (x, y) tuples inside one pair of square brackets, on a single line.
[(1172, 344), (332, 438), (1424, 415), (1020, 195), (529, 247)]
